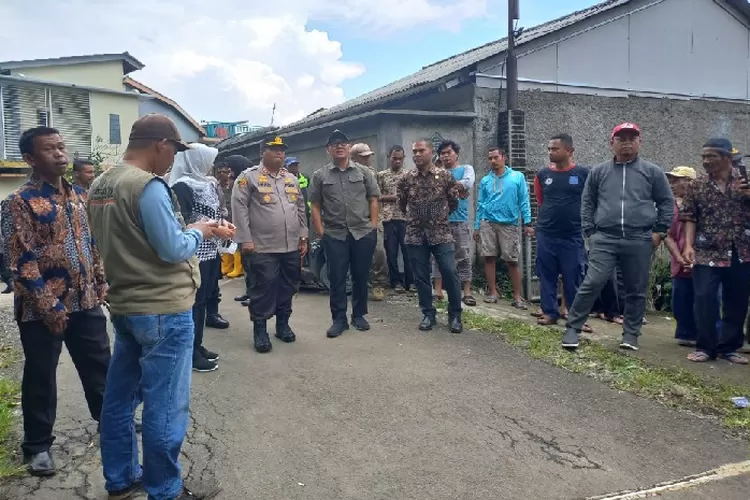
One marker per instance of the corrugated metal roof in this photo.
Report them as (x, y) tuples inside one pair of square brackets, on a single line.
[(129, 62), (435, 73)]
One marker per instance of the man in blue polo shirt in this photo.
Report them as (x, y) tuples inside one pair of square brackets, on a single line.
[(559, 240)]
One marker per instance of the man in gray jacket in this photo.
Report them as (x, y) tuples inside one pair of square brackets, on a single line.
[(626, 209)]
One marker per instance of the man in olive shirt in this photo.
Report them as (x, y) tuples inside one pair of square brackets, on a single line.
[(344, 197), (269, 212)]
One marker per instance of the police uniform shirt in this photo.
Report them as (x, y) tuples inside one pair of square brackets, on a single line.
[(268, 210)]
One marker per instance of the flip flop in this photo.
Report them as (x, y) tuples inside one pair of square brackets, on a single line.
[(698, 357), (587, 328), (735, 358), (491, 299), (536, 314), (546, 321), (519, 304)]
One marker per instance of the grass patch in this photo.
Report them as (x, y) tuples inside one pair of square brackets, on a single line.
[(672, 386), (10, 393)]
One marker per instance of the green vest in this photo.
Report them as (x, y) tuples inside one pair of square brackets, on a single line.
[(139, 281)]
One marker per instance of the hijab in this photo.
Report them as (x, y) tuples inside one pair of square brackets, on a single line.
[(193, 166)]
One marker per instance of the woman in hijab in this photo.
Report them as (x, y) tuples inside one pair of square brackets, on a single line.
[(199, 198)]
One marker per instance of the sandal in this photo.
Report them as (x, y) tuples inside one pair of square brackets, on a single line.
[(546, 321), (537, 314), (587, 328), (469, 301), (438, 298), (618, 320), (698, 357), (490, 299), (735, 358), (519, 304)]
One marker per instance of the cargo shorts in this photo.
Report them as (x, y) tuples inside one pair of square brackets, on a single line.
[(499, 240)]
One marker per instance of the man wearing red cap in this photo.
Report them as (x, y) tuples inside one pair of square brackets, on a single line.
[(626, 207)]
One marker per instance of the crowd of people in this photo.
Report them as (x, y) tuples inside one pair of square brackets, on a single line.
[(149, 239)]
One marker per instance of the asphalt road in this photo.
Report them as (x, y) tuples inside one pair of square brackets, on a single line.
[(398, 414)]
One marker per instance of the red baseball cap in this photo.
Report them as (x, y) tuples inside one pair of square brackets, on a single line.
[(625, 126)]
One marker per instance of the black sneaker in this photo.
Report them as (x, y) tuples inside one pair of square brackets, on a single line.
[(629, 341), (336, 329), (210, 356), (570, 338), (360, 324), (202, 365), (240, 298), (125, 493)]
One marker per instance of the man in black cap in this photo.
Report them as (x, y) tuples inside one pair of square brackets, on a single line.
[(344, 198), (717, 245), (269, 212)]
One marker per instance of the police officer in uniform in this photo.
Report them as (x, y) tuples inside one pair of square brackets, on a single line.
[(269, 212)]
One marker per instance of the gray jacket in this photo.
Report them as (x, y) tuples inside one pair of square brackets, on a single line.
[(629, 200)]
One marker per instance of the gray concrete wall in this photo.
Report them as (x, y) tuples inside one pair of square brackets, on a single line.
[(673, 130), (487, 108)]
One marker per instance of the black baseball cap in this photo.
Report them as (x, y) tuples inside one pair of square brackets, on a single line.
[(337, 137), (720, 143)]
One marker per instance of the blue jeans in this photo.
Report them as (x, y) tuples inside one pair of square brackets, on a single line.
[(152, 360), (557, 257)]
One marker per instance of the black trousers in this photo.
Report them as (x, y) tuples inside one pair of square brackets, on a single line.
[(209, 269), (5, 276), (345, 255), (735, 291), (274, 283), (88, 344), (212, 304), (246, 266), (394, 235)]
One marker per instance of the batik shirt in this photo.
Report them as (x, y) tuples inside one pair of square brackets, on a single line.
[(722, 221), (388, 183), (51, 253), (427, 199)]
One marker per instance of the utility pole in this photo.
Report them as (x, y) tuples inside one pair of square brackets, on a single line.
[(511, 63), (273, 114)]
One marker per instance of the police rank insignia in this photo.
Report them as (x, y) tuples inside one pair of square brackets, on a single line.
[(267, 198), (242, 182)]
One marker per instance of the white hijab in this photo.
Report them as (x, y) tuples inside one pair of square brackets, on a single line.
[(192, 167)]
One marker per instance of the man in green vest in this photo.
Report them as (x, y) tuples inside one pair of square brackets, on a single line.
[(149, 259)]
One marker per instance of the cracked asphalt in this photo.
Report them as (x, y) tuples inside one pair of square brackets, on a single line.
[(395, 413)]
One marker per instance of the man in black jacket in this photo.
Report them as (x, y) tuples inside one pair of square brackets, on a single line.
[(626, 209)]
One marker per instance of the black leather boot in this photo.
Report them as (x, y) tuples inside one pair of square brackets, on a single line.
[(283, 331), (260, 336)]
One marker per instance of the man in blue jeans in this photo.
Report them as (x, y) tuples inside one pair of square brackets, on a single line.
[(149, 259)]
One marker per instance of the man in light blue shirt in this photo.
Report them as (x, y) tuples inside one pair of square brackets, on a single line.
[(448, 152), (502, 200)]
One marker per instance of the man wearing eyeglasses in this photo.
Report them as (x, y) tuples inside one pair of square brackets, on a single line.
[(344, 211), (626, 209)]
